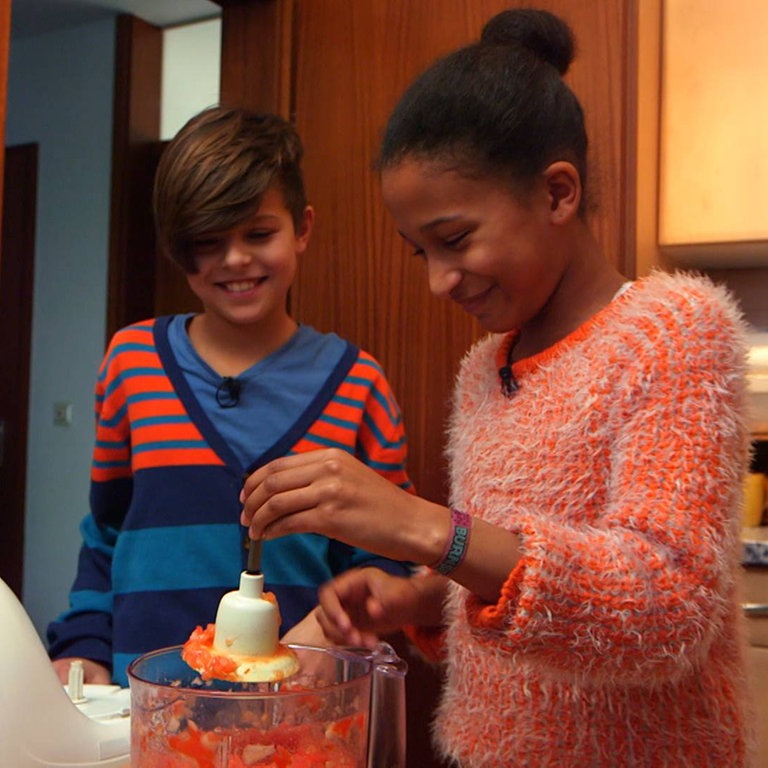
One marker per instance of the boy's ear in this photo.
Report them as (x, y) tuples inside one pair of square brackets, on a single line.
[(304, 229), (563, 185)]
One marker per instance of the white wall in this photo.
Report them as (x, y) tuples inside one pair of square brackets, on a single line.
[(60, 89), (191, 71), (60, 96)]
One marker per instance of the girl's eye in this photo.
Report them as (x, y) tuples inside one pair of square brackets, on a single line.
[(454, 242)]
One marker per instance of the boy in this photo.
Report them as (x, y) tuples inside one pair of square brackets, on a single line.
[(187, 405)]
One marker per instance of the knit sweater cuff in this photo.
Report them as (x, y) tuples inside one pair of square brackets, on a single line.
[(481, 615), (429, 641)]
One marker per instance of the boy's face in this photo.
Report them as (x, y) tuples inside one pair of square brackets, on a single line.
[(244, 274)]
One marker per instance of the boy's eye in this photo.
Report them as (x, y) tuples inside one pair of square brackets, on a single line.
[(259, 234), (205, 244)]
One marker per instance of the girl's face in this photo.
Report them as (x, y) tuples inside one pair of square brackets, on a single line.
[(490, 250), (244, 274)]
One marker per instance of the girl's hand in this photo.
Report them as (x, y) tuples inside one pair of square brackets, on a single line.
[(307, 632), (360, 605), (332, 493)]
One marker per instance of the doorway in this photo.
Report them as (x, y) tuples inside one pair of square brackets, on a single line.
[(16, 287)]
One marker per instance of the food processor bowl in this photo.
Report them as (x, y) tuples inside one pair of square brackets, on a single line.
[(343, 708)]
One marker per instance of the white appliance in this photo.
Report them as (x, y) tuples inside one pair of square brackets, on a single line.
[(40, 725)]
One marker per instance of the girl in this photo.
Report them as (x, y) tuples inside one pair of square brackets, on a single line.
[(581, 587)]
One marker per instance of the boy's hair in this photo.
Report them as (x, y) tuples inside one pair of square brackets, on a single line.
[(214, 172), (498, 106)]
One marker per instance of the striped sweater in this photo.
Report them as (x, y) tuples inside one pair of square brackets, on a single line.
[(163, 541), (617, 640)]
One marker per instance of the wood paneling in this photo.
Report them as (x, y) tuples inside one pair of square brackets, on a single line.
[(256, 44), (351, 64), (136, 132)]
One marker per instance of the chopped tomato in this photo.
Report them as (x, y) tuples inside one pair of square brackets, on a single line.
[(198, 653), (286, 746)]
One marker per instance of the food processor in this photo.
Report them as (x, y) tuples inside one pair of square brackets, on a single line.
[(344, 708), (40, 725), (234, 697)]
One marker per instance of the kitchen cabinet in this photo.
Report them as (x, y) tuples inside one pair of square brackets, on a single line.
[(756, 594), (755, 597), (739, 267), (757, 659), (714, 142)]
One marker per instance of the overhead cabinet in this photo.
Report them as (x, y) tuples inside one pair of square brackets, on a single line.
[(713, 211)]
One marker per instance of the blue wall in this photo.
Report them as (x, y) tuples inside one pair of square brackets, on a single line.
[(60, 91)]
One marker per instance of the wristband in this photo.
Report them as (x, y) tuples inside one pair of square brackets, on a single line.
[(456, 546)]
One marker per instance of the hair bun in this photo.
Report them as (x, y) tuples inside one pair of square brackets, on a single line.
[(548, 37)]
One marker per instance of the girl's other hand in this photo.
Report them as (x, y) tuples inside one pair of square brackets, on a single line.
[(307, 632), (360, 605)]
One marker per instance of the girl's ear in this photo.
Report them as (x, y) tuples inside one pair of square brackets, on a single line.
[(563, 185), (304, 229)]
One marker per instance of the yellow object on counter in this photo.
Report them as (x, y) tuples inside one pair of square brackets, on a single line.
[(754, 499)]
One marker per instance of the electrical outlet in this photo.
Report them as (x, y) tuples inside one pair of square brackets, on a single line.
[(62, 414)]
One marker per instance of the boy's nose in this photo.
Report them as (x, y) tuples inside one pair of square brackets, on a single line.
[(236, 254), (442, 278)]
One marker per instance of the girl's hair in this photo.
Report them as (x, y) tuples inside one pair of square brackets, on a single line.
[(498, 106), (214, 172)]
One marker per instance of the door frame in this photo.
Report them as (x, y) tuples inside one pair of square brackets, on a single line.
[(16, 296)]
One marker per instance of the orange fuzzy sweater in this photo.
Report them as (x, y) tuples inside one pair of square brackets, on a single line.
[(617, 641)]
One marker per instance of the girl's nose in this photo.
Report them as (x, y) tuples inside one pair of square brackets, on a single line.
[(442, 278)]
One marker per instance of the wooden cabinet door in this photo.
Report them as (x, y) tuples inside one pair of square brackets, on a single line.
[(351, 63)]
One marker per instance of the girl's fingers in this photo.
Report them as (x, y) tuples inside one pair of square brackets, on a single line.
[(277, 481), (279, 494), (290, 512), (330, 459), (337, 634), (333, 611)]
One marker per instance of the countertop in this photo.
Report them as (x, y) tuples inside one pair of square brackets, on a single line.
[(755, 542)]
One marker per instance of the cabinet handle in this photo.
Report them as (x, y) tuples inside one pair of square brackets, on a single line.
[(757, 610)]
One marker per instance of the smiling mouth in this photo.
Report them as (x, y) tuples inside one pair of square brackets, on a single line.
[(241, 286), (471, 303)]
